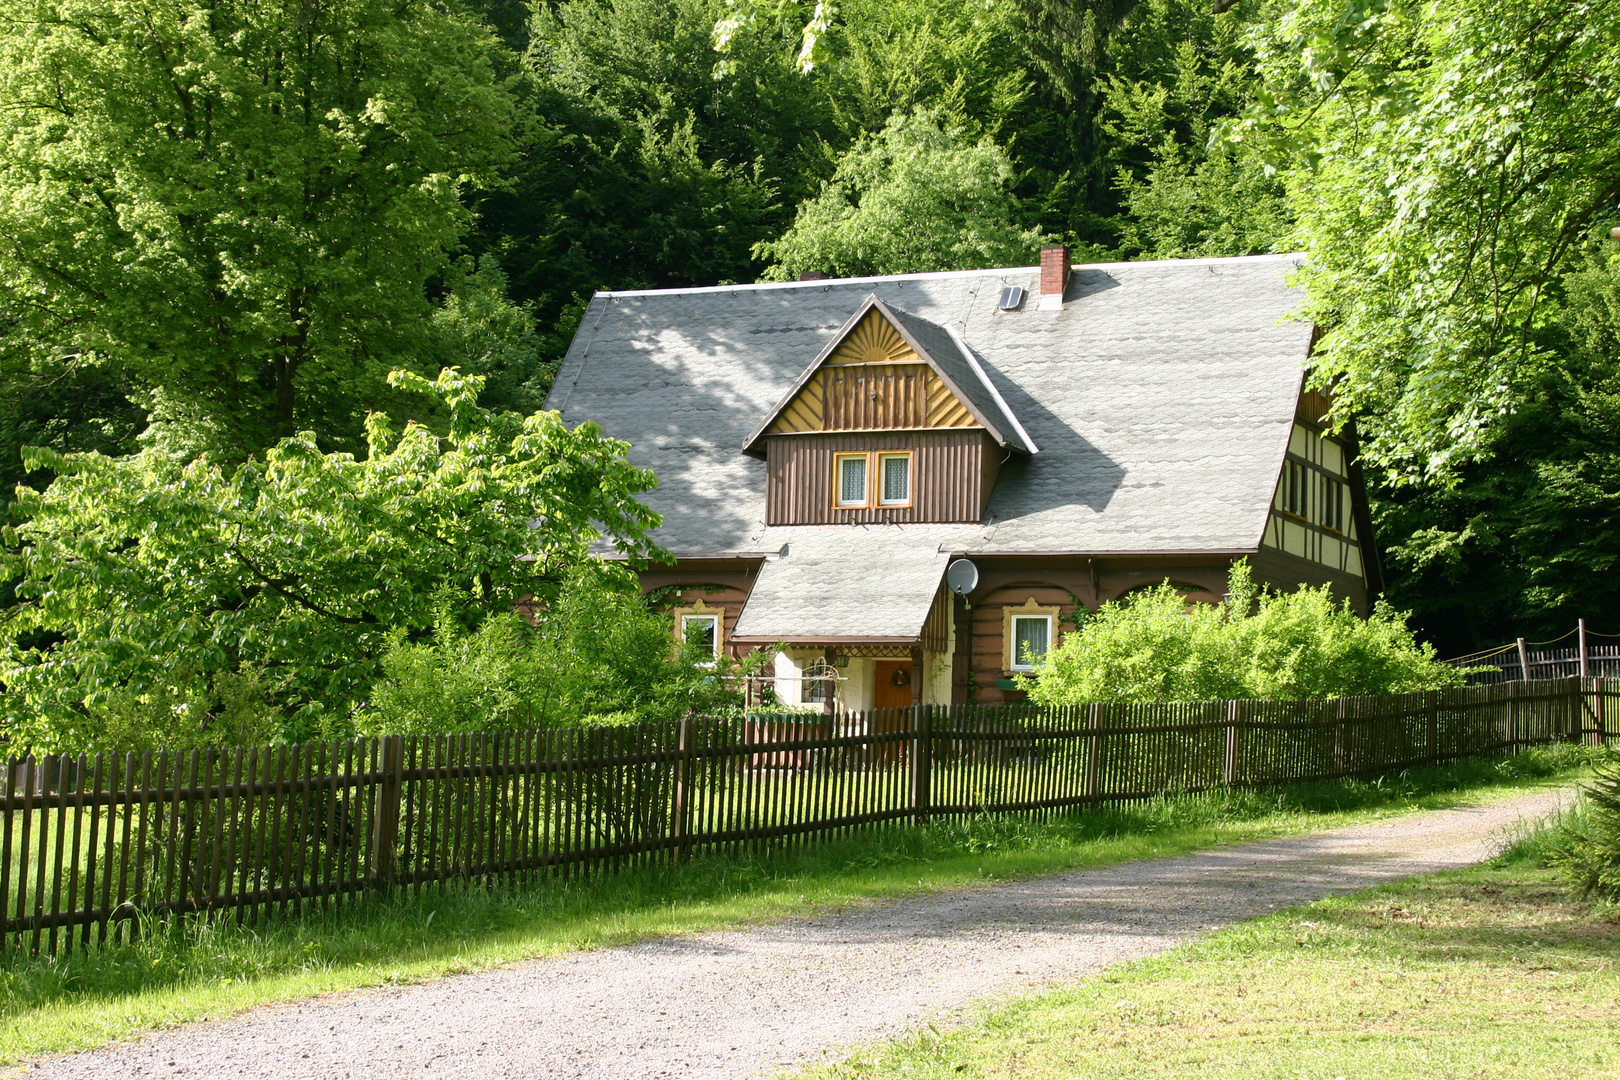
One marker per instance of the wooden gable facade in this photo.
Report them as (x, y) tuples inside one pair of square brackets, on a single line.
[(874, 391)]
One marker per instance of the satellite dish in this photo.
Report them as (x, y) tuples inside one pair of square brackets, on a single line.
[(962, 577)]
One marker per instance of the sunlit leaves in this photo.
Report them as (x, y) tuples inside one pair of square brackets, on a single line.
[(144, 578), (239, 203), (1448, 158)]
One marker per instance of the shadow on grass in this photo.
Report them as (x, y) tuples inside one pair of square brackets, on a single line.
[(455, 927)]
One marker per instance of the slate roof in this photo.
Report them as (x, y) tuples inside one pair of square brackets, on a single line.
[(824, 588), (1160, 398)]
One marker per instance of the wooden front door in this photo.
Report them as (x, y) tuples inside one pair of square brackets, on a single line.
[(885, 694)]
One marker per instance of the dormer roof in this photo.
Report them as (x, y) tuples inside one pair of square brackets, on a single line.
[(878, 334)]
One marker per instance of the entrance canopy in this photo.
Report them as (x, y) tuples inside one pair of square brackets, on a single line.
[(841, 583)]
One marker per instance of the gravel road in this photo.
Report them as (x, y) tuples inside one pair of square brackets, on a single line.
[(741, 1003)]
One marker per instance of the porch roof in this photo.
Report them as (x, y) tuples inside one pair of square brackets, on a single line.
[(843, 583)]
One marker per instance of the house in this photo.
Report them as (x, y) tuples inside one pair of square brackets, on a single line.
[(826, 449)]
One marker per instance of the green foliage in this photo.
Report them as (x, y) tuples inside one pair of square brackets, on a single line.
[(1457, 154), (1178, 74), (917, 196), (638, 168), (217, 200), (1260, 644), (1588, 851), (597, 653), (145, 583)]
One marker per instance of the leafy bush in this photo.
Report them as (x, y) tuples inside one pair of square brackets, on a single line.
[(1588, 854), (1258, 643), (596, 654), (205, 599)]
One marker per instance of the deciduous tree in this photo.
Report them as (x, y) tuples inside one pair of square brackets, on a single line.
[(238, 202)]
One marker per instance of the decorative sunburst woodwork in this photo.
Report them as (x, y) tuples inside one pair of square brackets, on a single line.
[(874, 341), (873, 381)]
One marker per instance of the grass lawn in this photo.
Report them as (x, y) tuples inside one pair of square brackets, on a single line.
[(199, 969), (1488, 972)]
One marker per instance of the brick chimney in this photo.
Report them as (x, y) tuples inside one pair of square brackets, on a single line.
[(1054, 277), (812, 275)]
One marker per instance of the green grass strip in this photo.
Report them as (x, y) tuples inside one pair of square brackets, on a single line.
[(1493, 971), (195, 969)]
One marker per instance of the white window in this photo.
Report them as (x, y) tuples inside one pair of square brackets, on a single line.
[(1032, 636), (851, 480), (701, 633), (895, 470)]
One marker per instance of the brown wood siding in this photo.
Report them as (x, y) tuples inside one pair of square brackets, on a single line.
[(936, 631), (988, 623), (989, 469), (874, 397), (946, 477)]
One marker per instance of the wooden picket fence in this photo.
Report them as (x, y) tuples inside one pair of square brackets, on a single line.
[(93, 847)]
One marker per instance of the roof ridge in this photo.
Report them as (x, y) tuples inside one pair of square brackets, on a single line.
[(938, 275)]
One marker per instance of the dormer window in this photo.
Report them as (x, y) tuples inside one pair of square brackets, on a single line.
[(872, 480), (895, 470), (894, 421), (849, 479)]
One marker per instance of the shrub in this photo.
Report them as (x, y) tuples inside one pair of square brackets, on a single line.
[(1256, 644), (596, 654), (1589, 853)]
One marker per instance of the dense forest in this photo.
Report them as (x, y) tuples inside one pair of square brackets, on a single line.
[(223, 222)]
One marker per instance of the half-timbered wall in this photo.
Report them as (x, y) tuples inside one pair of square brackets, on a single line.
[(1313, 511), (952, 473)]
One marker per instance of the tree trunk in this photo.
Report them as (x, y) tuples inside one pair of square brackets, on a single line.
[(286, 371)]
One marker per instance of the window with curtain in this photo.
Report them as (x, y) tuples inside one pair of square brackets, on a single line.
[(896, 471), (1032, 636), (852, 480)]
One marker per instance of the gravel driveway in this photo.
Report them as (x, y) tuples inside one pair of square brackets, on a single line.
[(739, 1003)]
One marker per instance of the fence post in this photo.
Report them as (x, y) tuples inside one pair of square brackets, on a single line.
[(1510, 733), (1577, 708), (1229, 772), (1597, 712), (1524, 662), (385, 818), (681, 811), (1093, 752), (922, 761), (1580, 626)]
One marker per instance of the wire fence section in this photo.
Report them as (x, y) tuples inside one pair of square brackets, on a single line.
[(93, 846), (1511, 664)]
